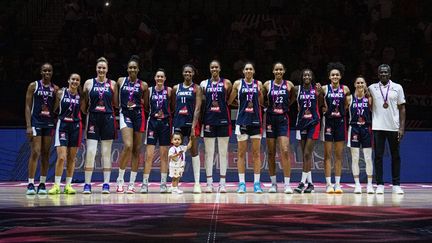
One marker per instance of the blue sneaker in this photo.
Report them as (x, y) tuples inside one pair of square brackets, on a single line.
[(42, 189), (87, 189), (105, 188), (241, 188), (257, 187), (31, 189)]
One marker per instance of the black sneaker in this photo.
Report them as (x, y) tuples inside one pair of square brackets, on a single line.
[(310, 188), (300, 188), (31, 189), (42, 189)]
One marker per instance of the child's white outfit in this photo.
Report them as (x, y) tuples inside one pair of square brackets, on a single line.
[(176, 168)]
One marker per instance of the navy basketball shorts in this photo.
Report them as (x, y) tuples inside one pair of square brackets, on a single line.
[(243, 132), (214, 131), (359, 136), (277, 125), (42, 131), (134, 119), (333, 130), (158, 130), (101, 126), (68, 134), (310, 132)]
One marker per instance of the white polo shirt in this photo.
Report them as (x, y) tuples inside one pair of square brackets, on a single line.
[(386, 119)]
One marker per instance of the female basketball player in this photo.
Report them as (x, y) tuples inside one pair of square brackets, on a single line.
[(68, 133), (187, 99), (307, 126), (277, 124), (100, 99), (216, 123), (133, 92), (39, 115), (158, 129), (333, 127), (248, 91), (360, 132)]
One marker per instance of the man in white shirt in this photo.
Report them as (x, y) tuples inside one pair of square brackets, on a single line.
[(388, 123)]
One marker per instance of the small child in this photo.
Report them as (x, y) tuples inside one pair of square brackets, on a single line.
[(176, 157)]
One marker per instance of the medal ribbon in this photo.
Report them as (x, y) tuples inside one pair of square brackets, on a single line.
[(250, 90), (359, 105), (101, 89), (131, 90), (335, 99), (45, 97), (275, 96), (159, 101), (214, 89), (308, 104), (387, 92), (71, 103)]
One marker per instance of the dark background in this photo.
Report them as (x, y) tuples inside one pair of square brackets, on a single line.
[(72, 34)]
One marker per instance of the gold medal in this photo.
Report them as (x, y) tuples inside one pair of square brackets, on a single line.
[(160, 114), (361, 121), (131, 104), (250, 104)]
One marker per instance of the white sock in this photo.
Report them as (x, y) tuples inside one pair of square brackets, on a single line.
[(106, 159), (309, 177), (328, 180), (132, 178), (68, 180), (223, 151), (30, 180), (57, 180), (257, 178), (42, 179), (91, 148), (196, 168), (241, 177), (286, 181), (357, 180), (369, 180), (222, 180), (304, 177), (163, 178), (88, 176), (107, 175), (367, 152), (273, 179), (145, 178), (121, 174), (209, 180), (209, 155), (337, 180)]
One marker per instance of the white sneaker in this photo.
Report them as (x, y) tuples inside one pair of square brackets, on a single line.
[(329, 188), (131, 188), (287, 189), (163, 188), (380, 189), (397, 190), (144, 188), (209, 188), (273, 188), (370, 189), (120, 184), (176, 190), (358, 189), (197, 188), (222, 188), (337, 189)]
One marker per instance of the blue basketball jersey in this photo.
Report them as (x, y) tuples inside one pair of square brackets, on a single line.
[(69, 108), (308, 113), (249, 111), (101, 97), (42, 114), (278, 96), (159, 104), (216, 111), (185, 105), (130, 95), (335, 100), (359, 110)]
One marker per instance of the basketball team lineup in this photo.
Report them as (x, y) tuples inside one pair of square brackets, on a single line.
[(173, 119)]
